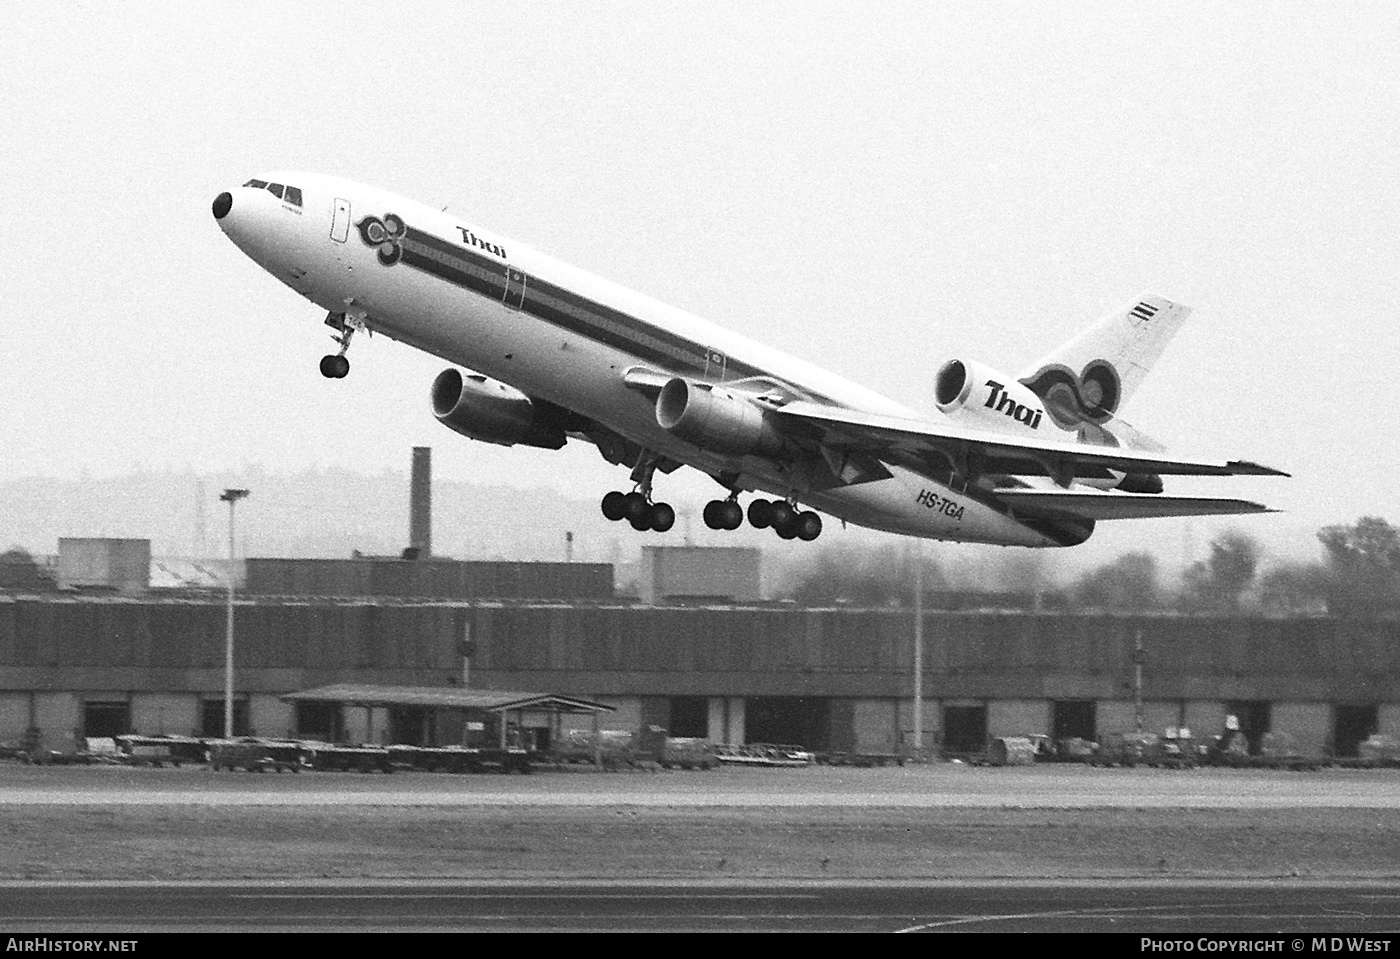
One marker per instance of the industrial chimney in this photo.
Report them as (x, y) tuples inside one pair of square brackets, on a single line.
[(420, 504)]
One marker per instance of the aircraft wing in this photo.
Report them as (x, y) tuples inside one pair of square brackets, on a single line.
[(911, 442), (1092, 504)]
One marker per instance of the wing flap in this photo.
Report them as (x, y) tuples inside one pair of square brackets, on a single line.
[(995, 452), (1092, 504)]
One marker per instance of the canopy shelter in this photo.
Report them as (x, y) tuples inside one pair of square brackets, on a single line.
[(506, 708)]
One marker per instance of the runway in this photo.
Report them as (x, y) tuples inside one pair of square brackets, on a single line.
[(939, 785), (942, 847), (1186, 909)]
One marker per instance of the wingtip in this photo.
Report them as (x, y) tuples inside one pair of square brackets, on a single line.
[(1248, 468)]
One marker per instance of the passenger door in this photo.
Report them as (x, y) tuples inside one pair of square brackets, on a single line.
[(340, 221), (514, 297)]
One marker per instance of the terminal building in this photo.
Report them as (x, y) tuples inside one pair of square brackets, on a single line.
[(92, 644), (92, 662)]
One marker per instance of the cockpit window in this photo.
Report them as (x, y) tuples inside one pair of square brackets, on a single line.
[(287, 194)]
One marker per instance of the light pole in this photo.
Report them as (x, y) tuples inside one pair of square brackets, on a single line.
[(231, 497), (918, 649), (1137, 678)]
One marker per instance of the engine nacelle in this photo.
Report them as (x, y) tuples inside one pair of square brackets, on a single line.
[(717, 419), (983, 398), (488, 410)]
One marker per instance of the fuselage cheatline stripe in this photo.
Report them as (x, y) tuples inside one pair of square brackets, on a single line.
[(562, 308)]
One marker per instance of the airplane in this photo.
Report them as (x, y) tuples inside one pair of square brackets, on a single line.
[(544, 352)]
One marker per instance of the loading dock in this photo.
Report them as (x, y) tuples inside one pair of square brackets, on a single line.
[(500, 729), (805, 720)]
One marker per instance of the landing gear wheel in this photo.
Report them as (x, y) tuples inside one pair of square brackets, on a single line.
[(713, 508), (809, 526), (760, 514), (635, 508), (786, 531), (334, 367), (614, 506), (782, 514), (662, 516), (731, 514), (641, 523)]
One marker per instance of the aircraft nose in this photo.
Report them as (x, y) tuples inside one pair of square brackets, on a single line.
[(222, 204)]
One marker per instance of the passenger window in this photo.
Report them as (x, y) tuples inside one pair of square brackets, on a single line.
[(257, 184), (293, 195), (275, 189)]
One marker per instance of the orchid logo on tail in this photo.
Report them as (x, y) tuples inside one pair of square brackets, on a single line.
[(1074, 400)]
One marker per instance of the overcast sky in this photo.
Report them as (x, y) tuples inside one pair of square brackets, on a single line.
[(874, 187)]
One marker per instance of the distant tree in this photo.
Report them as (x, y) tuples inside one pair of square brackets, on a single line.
[(18, 570), (1127, 583), (1364, 561), (1296, 588), (879, 577), (1219, 583)]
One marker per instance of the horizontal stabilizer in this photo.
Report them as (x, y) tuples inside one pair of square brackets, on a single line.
[(1094, 504)]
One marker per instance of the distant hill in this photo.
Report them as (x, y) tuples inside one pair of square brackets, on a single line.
[(331, 513), (316, 513)]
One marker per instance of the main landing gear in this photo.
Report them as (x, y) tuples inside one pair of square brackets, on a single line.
[(636, 507), (335, 366), (784, 518), (781, 516), (724, 513)]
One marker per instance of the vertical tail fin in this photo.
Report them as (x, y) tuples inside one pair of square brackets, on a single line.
[(1090, 378)]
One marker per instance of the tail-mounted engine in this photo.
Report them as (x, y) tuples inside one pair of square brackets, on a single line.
[(983, 398), (717, 419), (485, 409)]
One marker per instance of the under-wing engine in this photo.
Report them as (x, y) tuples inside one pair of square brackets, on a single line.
[(718, 419), (485, 409), (982, 398)]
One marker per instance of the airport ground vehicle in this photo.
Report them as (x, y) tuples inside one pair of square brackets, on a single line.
[(160, 750), (460, 759), (763, 754), (680, 752), (256, 756)]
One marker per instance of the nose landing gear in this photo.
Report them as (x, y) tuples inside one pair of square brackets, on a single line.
[(335, 366)]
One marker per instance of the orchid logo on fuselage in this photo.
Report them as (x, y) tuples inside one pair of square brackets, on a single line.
[(386, 234)]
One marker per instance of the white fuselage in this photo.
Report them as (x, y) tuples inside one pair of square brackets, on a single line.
[(494, 306)]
